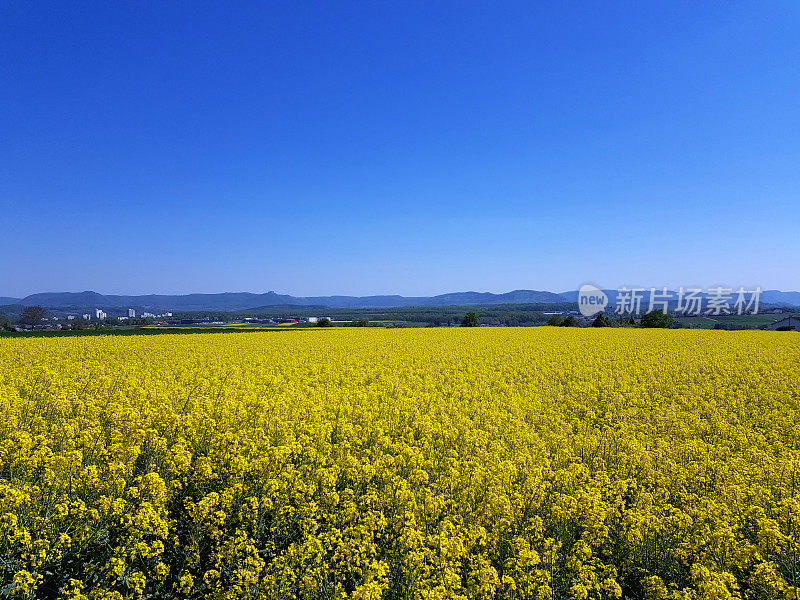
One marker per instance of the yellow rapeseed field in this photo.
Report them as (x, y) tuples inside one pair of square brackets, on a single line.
[(402, 464)]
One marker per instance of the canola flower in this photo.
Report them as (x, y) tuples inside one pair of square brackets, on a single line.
[(541, 463)]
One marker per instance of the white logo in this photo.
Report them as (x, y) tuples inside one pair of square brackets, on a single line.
[(591, 299)]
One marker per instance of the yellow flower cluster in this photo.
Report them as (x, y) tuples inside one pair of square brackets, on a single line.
[(541, 463)]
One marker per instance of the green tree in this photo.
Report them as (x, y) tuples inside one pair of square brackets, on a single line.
[(32, 315), (324, 322), (600, 321), (471, 319), (570, 321), (555, 320), (657, 318)]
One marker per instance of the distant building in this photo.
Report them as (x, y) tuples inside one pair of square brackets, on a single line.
[(70, 317), (99, 314), (131, 313), (313, 319), (86, 316), (122, 318), (789, 323)]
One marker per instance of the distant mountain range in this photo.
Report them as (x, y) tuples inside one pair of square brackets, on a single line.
[(231, 301)]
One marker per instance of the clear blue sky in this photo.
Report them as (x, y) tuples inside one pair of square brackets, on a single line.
[(398, 147)]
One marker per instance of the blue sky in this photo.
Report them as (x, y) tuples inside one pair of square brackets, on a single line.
[(398, 147)]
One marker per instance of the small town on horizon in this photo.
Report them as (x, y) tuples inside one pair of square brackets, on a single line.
[(491, 311)]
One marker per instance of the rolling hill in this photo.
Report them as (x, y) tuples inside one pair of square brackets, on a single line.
[(231, 301)]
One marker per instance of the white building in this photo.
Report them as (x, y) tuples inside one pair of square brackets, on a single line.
[(131, 313), (86, 316), (70, 317), (313, 319), (99, 314)]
